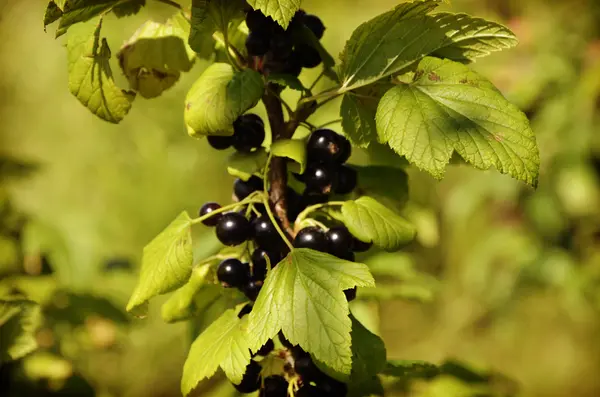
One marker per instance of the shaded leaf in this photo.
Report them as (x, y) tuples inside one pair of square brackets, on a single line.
[(209, 17), (386, 184), (411, 369), (286, 80), (244, 165), (75, 11), (293, 149), (19, 320)]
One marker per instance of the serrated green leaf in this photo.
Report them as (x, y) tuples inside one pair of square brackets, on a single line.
[(90, 76), (286, 80), (19, 320), (75, 11), (281, 11), (410, 369), (244, 165), (386, 184), (448, 107), (179, 307), (310, 285), (224, 344), (358, 112), (54, 11), (208, 17), (166, 264), (371, 221), (128, 8), (156, 55), (219, 97), (368, 354), (393, 41), (293, 149)]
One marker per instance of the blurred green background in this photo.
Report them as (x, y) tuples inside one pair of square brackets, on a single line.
[(503, 278)]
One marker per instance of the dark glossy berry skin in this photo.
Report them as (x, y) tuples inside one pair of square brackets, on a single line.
[(259, 262), (340, 240), (233, 273), (361, 246), (345, 149), (265, 233), (249, 133), (310, 391), (266, 348), (243, 189), (347, 256), (323, 146), (286, 343), (346, 181), (313, 238), (306, 368), (281, 46), (245, 310), (350, 294), (315, 25), (251, 380), (274, 386), (257, 21), (206, 209), (310, 56), (257, 43), (220, 142), (252, 288), (320, 177), (233, 229)]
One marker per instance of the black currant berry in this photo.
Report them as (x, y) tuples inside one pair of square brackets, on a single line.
[(312, 197), (345, 149), (251, 380), (332, 387), (257, 21), (311, 237), (206, 209), (252, 288), (310, 391), (320, 177), (286, 343), (220, 142), (347, 256), (293, 65), (233, 229), (360, 246), (245, 310), (266, 348), (281, 46), (306, 368), (275, 386), (243, 189), (310, 56), (297, 21), (265, 233), (315, 25), (233, 273), (259, 262), (249, 132), (347, 180), (257, 43), (340, 240), (323, 145), (350, 294)]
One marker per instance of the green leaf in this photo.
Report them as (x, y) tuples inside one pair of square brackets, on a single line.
[(90, 76), (387, 184), (54, 11), (448, 107), (310, 285), (293, 149), (128, 8), (180, 305), (212, 16), (224, 344), (368, 354), (75, 11), (358, 112), (166, 264), (411, 369), (371, 221), (219, 97), (286, 80), (244, 165), (396, 40), (19, 320), (156, 55), (281, 11)]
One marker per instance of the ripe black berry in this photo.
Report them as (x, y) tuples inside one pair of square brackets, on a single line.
[(310, 56), (340, 240), (259, 262), (245, 310), (315, 25), (243, 189), (257, 43), (348, 256), (220, 142), (251, 380), (306, 368), (265, 233), (249, 132), (350, 294), (257, 21), (275, 386), (252, 288), (345, 149), (233, 229), (360, 246), (281, 46), (309, 391), (320, 177), (266, 348), (206, 209), (323, 145), (233, 273), (311, 237), (347, 179)]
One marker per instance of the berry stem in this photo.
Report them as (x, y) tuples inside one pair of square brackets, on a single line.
[(248, 200), (302, 216)]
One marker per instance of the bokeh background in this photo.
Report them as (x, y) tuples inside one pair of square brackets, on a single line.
[(503, 279)]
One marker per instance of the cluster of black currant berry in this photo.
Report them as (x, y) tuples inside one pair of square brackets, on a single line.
[(275, 50), (248, 135)]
